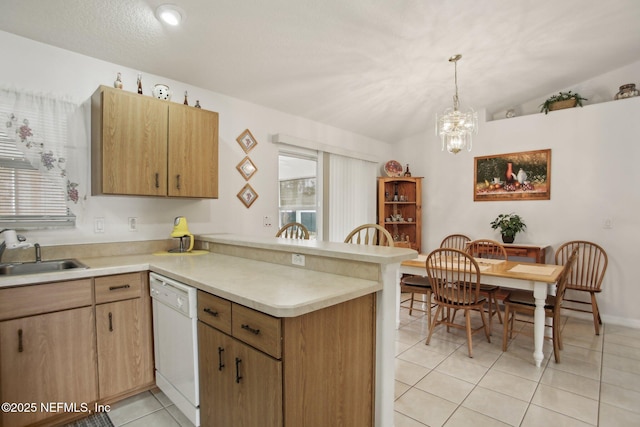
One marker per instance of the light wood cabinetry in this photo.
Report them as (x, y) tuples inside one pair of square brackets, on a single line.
[(46, 355), (150, 147), (313, 370), (193, 152), (124, 334), (400, 199), (241, 385), (60, 344)]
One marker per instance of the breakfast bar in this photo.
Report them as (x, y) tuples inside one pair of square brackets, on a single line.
[(257, 274)]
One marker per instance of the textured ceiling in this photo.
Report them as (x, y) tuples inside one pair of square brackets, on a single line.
[(375, 67)]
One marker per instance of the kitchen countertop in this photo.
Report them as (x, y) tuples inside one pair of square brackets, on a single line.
[(278, 290), (345, 251)]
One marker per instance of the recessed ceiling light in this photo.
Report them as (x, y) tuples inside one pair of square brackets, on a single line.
[(170, 14)]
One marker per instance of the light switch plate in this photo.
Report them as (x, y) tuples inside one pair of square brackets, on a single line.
[(98, 225)]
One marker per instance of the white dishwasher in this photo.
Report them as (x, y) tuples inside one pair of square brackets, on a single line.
[(175, 319)]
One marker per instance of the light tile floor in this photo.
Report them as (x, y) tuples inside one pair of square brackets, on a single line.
[(596, 383), (151, 408)]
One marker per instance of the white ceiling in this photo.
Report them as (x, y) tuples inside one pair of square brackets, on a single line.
[(375, 67)]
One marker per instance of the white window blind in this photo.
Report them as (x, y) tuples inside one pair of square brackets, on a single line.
[(33, 173), (352, 195)]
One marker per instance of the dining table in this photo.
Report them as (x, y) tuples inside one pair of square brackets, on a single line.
[(536, 277)]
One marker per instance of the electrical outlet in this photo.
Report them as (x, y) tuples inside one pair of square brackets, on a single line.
[(267, 221), (98, 225), (297, 259), (133, 223)]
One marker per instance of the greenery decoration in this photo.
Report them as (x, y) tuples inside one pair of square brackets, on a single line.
[(561, 96), (509, 224)]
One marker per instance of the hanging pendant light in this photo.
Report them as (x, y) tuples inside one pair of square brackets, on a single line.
[(455, 127)]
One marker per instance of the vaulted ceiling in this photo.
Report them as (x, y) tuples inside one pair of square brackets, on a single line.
[(375, 67)]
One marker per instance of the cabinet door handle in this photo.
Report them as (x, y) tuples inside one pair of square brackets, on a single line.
[(20, 348), (211, 312), (157, 180), (115, 288), (110, 322), (220, 361), (250, 329), (178, 181), (238, 376)]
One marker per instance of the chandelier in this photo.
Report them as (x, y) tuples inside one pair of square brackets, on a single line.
[(455, 127)]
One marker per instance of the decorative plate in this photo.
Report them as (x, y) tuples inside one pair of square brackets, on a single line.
[(393, 168)]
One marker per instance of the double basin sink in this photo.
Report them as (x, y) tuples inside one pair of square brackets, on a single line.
[(20, 268)]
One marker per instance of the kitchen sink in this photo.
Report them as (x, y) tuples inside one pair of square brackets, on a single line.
[(19, 268)]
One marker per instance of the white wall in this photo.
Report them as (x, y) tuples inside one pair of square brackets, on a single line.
[(38, 67), (594, 176)]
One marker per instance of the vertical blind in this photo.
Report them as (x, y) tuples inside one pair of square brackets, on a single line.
[(34, 186), (352, 195)]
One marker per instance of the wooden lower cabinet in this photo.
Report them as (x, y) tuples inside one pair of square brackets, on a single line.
[(241, 385), (124, 334), (322, 374), (57, 345), (47, 358), (124, 361)]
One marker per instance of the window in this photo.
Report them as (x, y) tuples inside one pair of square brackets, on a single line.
[(34, 185), (298, 191)]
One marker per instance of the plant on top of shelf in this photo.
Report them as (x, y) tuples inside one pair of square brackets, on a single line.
[(509, 225), (562, 100)]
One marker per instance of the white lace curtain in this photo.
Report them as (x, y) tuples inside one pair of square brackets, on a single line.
[(46, 134)]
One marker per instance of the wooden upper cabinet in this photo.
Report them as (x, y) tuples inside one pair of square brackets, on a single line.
[(149, 147), (193, 152)]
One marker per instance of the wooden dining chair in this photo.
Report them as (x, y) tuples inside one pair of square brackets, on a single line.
[(519, 301), (455, 279), (293, 230), (486, 248), (586, 276), (370, 234), (455, 241), (418, 284)]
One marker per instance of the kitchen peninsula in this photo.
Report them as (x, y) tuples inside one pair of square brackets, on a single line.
[(258, 273)]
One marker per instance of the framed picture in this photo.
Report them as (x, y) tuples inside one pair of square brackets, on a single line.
[(248, 195), (246, 168), (247, 141), (513, 176)]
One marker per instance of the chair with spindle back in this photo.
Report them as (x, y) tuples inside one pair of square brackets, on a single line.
[(521, 301), (293, 230), (586, 276), (370, 234), (486, 248), (455, 279)]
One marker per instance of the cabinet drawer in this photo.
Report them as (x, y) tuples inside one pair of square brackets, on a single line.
[(118, 287), (214, 311), (37, 299), (257, 329), (523, 252)]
